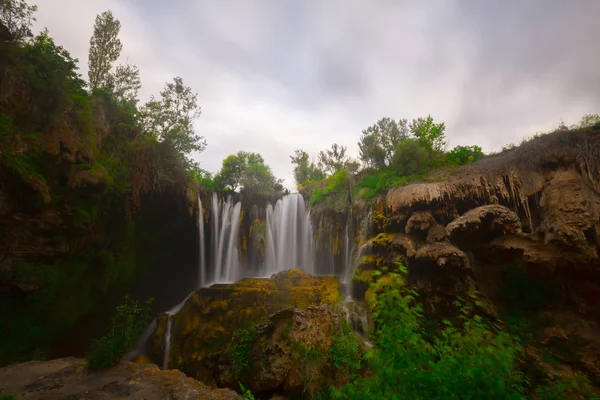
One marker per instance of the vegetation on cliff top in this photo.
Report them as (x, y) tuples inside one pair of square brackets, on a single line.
[(88, 154)]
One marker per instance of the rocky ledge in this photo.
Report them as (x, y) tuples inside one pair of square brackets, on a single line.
[(68, 379)]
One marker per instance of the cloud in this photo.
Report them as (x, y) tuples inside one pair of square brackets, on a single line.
[(276, 76)]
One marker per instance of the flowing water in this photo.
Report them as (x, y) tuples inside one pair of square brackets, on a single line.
[(289, 236), (202, 254), (288, 243)]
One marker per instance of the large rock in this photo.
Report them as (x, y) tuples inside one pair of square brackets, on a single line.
[(207, 321), (483, 223), (288, 354), (67, 379)]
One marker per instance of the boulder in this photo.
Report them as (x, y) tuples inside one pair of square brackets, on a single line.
[(483, 223), (67, 378), (288, 354), (420, 222), (208, 319)]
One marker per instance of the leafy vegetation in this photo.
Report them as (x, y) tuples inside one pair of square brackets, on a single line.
[(333, 192), (240, 352), (345, 354), (91, 158), (7, 396), (126, 328), (470, 358)]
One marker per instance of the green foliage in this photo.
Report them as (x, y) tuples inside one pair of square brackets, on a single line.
[(461, 155), (240, 352), (249, 173), (334, 159), (17, 16), (410, 158), (105, 48), (345, 354), (304, 169), (380, 182), (378, 142), (246, 393), (333, 192), (430, 135), (469, 363), (7, 396), (127, 325), (171, 119)]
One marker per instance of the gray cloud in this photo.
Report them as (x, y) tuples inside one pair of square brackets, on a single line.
[(276, 76)]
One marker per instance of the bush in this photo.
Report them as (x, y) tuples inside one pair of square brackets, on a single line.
[(7, 396), (410, 158), (334, 191), (345, 353), (241, 350), (127, 326)]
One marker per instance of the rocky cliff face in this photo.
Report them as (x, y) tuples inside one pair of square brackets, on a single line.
[(517, 226)]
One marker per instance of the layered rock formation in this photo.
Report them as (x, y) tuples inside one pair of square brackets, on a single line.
[(67, 378), (208, 320), (533, 209)]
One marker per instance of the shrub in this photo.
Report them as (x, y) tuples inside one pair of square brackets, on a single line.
[(7, 396), (334, 192), (345, 353), (127, 325), (241, 350), (410, 158)]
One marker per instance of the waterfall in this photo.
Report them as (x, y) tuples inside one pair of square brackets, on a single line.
[(288, 236), (225, 232), (350, 263), (202, 254)]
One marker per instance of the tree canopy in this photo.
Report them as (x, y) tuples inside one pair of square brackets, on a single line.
[(105, 49)]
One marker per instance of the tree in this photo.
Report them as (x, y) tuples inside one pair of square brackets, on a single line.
[(17, 17), (461, 155), (430, 134), (125, 83), (334, 159), (410, 158), (105, 48), (589, 120), (304, 169), (378, 142), (171, 119), (248, 172)]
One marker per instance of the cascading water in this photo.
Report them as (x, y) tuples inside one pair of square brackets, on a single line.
[(289, 236), (202, 254), (226, 266)]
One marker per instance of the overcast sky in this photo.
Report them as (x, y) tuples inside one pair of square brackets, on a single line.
[(276, 75)]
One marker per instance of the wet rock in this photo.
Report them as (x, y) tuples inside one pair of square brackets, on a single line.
[(67, 378), (289, 354), (209, 318)]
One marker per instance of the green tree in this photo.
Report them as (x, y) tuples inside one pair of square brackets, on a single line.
[(429, 134), (334, 159), (304, 168), (378, 142), (249, 173), (125, 83), (171, 119), (17, 17), (105, 49), (461, 155), (410, 158), (589, 120)]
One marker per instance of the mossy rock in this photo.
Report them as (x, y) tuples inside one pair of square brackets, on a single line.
[(207, 321)]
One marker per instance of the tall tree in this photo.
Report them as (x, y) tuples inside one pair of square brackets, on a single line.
[(125, 83), (430, 134), (105, 48), (378, 142), (333, 159), (17, 17), (248, 172), (304, 168), (171, 119)]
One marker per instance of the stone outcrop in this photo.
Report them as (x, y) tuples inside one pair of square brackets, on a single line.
[(67, 378), (207, 321), (289, 354)]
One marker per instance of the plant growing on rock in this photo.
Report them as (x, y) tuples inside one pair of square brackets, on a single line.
[(127, 325), (240, 352)]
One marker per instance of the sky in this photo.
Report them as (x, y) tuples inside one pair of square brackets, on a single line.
[(273, 76)]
